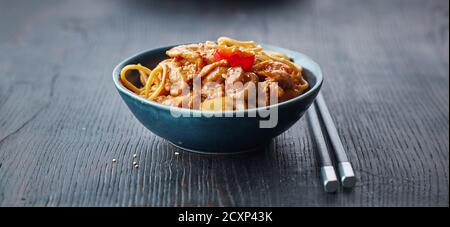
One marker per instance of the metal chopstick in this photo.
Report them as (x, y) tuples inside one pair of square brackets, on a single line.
[(329, 179), (345, 169)]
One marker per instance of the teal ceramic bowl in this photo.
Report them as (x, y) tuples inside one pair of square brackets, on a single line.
[(218, 135)]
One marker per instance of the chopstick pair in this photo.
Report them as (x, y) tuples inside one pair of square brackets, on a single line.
[(328, 174)]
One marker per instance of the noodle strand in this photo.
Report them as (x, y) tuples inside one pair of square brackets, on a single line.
[(128, 84)]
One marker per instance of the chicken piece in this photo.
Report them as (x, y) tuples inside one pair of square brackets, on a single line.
[(277, 72), (180, 69), (216, 75), (267, 88), (178, 88), (174, 73), (209, 68), (250, 77), (233, 75), (188, 52), (207, 53), (239, 82), (180, 101), (238, 86), (211, 90), (272, 69), (286, 82)]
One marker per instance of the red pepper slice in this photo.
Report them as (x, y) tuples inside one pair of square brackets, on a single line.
[(235, 57)]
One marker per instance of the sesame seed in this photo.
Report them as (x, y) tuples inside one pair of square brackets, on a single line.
[(135, 155), (114, 160), (136, 166), (134, 163)]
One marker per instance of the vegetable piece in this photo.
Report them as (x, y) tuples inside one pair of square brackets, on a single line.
[(217, 104), (235, 57)]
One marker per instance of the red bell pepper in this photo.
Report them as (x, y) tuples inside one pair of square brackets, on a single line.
[(235, 57)]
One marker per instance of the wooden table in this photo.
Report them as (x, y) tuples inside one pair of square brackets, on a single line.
[(386, 68)]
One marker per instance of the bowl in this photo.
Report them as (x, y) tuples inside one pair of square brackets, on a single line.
[(198, 131)]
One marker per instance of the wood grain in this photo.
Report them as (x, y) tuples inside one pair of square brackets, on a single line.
[(62, 122)]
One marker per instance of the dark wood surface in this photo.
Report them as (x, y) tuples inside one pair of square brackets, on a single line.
[(386, 68)]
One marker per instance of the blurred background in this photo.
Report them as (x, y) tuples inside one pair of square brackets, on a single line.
[(100, 33)]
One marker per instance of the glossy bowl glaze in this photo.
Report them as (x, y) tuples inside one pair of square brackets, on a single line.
[(217, 135)]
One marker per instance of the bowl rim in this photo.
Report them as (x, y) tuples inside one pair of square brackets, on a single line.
[(293, 54)]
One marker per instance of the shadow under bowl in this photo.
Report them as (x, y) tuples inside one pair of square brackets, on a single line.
[(198, 131)]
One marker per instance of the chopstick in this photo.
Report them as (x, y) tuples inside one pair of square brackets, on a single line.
[(328, 175), (345, 169)]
